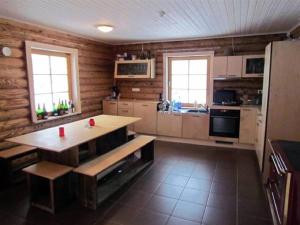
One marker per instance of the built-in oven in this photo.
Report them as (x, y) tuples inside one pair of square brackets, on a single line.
[(224, 123)]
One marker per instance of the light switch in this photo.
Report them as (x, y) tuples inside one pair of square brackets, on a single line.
[(136, 89)]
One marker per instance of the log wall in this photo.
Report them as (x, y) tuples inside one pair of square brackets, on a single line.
[(150, 89), (95, 73)]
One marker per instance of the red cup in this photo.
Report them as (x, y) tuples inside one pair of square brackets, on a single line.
[(92, 122), (61, 131)]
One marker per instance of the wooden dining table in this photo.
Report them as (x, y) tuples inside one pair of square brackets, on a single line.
[(65, 150)]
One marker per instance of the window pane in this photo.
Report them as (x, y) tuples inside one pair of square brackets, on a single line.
[(197, 95), (40, 64), (44, 99), (59, 65), (42, 84), (198, 66), (180, 81), (61, 97), (180, 95), (197, 82), (60, 83), (180, 67)]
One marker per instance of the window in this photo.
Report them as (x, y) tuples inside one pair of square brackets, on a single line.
[(188, 79), (52, 75)]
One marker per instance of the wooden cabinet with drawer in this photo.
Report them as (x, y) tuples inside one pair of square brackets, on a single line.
[(148, 112), (248, 126), (169, 124), (110, 107), (195, 126), (125, 108)]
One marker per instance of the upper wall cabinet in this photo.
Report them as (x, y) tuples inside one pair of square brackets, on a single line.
[(135, 69), (253, 65), (227, 66)]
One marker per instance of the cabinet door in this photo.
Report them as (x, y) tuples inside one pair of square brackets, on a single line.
[(148, 112), (126, 109), (195, 126), (234, 66), (110, 107), (248, 126), (259, 142), (220, 66), (169, 124)]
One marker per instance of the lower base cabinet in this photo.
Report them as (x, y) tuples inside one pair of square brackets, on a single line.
[(147, 111), (248, 126), (169, 124), (195, 126)]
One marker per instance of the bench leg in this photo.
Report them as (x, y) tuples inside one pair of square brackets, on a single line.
[(5, 173), (147, 152), (88, 191)]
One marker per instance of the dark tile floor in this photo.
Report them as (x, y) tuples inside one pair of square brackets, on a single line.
[(186, 185)]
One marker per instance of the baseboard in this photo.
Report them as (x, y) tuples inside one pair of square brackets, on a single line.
[(206, 143)]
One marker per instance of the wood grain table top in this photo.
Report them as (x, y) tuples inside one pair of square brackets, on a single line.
[(76, 133)]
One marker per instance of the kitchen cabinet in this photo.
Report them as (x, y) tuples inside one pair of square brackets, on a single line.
[(148, 112), (228, 66), (110, 107), (125, 108), (234, 66), (169, 124), (259, 145), (220, 66), (248, 126), (195, 126), (253, 65)]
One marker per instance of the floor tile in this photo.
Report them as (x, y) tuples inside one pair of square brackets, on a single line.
[(170, 191), (189, 211), (178, 221), (195, 196), (149, 186), (222, 201), (135, 198), (146, 217), (214, 216), (199, 184), (249, 220), (161, 204), (177, 180), (121, 214), (228, 188)]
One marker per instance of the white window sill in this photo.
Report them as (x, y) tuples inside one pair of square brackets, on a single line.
[(50, 118)]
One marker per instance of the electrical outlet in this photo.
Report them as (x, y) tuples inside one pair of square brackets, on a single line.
[(136, 90)]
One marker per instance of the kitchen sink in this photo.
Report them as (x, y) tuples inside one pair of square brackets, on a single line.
[(202, 110)]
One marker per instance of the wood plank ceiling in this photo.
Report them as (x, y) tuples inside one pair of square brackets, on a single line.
[(143, 20)]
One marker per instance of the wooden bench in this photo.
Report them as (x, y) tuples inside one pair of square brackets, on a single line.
[(13, 160), (49, 185), (101, 177)]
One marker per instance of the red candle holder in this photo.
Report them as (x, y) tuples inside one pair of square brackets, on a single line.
[(61, 131), (92, 122)]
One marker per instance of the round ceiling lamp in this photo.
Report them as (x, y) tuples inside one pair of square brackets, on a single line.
[(105, 28)]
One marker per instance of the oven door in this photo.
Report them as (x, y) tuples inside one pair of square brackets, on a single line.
[(224, 123)]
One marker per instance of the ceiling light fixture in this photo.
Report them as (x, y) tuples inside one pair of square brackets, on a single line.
[(105, 28)]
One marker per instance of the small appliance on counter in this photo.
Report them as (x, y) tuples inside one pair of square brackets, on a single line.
[(225, 97), (163, 105), (114, 92)]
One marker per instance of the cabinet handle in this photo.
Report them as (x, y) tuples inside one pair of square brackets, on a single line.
[(176, 114), (246, 109), (144, 105), (125, 111), (112, 103), (124, 103)]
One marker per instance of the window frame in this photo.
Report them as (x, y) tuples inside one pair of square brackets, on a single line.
[(168, 57), (73, 73)]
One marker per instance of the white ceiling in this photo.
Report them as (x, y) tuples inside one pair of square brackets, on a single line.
[(139, 20)]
